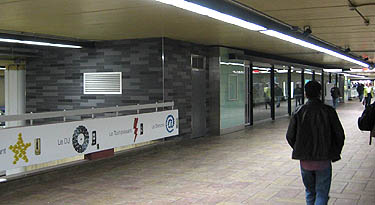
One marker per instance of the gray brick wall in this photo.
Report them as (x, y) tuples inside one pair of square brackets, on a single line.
[(179, 77), (55, 81)]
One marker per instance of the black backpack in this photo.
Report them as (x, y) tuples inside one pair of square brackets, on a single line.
[(367, 121)]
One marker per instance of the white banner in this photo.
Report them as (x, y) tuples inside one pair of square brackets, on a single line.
[(31, 145)]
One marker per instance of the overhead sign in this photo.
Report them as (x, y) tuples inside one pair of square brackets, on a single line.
[(26, 146)]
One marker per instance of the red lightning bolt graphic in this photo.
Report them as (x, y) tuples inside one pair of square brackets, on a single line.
[(135, 128)]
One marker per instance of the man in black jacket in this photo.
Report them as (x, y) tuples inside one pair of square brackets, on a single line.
[(316, 135), (360, 89), (335, 94)]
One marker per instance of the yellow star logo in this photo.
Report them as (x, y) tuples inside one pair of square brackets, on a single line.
[(19, 150)]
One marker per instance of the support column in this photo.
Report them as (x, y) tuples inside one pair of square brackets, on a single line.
[(323, 87), (290, 91), (313, 75), (272, 92), (15, 99), (330, 78), (251, 95), (303, 85)]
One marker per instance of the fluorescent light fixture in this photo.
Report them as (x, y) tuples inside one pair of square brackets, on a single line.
[(332, 70), (235, 64), (308, 72), (282, 71), (354, 76), (6, 40), (356, 69), (213, 14), (311, 46), (267, 69), (238, 72), (318, 73), (2, 68), (189, 6), (2, 180)]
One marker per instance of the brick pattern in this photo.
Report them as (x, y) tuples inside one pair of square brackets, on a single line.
[(55, 81), (178, 77)]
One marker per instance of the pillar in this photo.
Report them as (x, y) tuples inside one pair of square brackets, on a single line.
[(15, 99)]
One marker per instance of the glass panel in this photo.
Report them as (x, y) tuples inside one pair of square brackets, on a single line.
[(233, 87), (232, 95), (281, 91), (261, 92)]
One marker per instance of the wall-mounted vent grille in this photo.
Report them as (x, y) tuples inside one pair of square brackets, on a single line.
[(198, 62), (102, 83)]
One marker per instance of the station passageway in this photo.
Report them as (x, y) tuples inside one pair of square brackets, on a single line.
[(252, 166)]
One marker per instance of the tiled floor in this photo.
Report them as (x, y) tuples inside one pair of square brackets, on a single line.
[(247, 167)]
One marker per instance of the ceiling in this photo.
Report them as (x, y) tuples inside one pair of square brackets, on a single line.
[(331, 21)]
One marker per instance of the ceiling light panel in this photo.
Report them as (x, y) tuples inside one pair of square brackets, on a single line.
[(213, 14), (38, 43), (311, 46)]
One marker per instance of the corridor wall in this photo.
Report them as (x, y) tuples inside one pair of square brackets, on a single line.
[(54, 82)]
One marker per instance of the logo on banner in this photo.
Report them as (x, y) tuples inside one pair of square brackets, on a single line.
[(19, 150), (80, 139), (37, 146), (3, 151), (135, 126), (169, 123)]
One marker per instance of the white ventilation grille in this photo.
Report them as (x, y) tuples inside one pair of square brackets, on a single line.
[(102, 83)]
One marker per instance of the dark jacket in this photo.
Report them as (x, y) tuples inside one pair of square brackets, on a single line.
[(298, 92), (278, 91), (315, 132), (367, 121), (360, 89), (335, 92)]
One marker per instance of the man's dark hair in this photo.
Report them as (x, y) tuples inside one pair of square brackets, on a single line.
[(312, 89)]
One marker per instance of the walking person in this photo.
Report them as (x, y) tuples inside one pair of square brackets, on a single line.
[(267, 96), (360, 89), (316, 136), (335, 94), (369, 94), (278, 94), (298, 94)]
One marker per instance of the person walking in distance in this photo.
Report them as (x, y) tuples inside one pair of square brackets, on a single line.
[(278, 94), (369, 94), (298, 94), (317, 137), (267, 96), (335, 94), (360, 89)]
